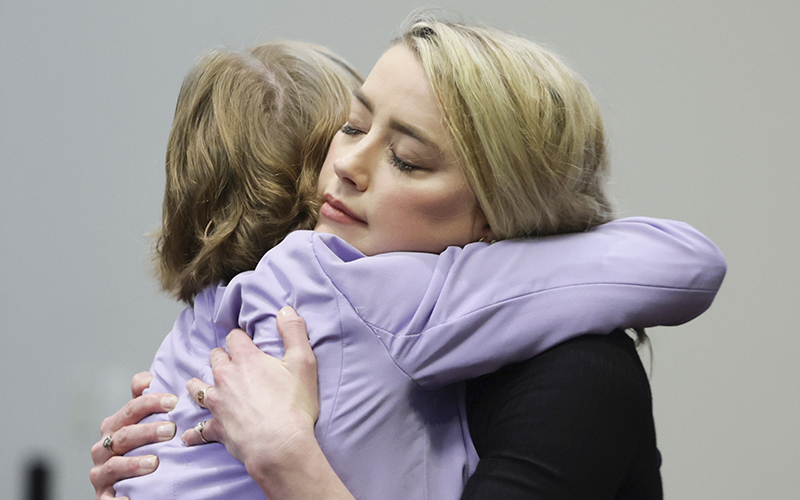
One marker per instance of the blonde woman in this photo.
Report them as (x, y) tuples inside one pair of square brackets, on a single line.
[(421, 165)]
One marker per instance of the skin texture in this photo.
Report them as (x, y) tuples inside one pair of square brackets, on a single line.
[(390, 180)]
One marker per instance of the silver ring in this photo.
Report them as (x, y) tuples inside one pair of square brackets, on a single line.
[(201, 397), (199, 428), (108, 441)]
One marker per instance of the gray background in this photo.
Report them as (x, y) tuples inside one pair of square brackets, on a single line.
[(701, 101)]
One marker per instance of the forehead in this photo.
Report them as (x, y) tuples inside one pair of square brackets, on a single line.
[(397, 90), (400, 68)]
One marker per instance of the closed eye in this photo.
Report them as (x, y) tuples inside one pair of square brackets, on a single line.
[(403, 165), (347, 129)]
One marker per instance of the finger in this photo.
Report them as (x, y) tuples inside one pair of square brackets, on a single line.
[(218, 357), (292, 329), (136, 409), (191, 437), (299, 357), (195, 386), (105, 475), (131, 437), (139, 383), (239, 343)]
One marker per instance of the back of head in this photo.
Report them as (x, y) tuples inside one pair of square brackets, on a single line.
[(526, 129), (250, 134)]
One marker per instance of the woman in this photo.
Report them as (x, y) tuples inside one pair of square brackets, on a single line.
[(563, 196)]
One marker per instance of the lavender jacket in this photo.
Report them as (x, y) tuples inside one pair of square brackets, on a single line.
[(394, 333)]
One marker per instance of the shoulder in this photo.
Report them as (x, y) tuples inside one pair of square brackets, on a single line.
[(575, 421), (582, 385)]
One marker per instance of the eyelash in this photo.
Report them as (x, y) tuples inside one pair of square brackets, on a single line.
[(402, 165), (398, 163), (348, 130)]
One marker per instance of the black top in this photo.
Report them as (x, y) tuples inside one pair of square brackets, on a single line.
[(575, 422)]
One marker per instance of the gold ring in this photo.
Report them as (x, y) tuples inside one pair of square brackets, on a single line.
[(201, 397)]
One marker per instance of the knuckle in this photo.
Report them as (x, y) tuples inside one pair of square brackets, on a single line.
[(141, 379), (216, 354), (96, 451), (94, 476), (121, 440), (307, 360), (127, 411), (132, 466), (105, 425), (295, 322), (210, 432), (110, 468)]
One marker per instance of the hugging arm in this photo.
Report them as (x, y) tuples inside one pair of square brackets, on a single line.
[(512, 300)]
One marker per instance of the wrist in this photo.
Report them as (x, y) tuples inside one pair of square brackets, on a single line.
[(297, 470), (275, 458)]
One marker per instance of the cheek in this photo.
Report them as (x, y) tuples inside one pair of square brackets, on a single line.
[(449, 203), (436, 208)]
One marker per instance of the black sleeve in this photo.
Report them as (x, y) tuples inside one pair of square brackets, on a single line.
[(574, 422)]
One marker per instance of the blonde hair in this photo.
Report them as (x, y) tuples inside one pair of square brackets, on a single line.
[(526, 130), (249, 137)]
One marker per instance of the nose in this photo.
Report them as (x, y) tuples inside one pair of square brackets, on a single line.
[(355, 166)]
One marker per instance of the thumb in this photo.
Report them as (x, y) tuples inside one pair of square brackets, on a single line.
[(299, 358), (292, 329)]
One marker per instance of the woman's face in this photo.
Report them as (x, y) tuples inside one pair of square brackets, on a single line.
[(390, 180)]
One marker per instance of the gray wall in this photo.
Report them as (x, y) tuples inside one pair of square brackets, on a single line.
[(702, 105)]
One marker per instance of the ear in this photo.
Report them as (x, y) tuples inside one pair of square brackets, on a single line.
[(489, 234), (481, 228)]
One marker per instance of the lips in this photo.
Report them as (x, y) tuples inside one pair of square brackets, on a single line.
[(338, 212)]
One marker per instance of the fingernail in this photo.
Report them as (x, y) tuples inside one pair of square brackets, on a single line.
[(286, 311), (169, 402), (166, 431), (184, 437), (148, 462)]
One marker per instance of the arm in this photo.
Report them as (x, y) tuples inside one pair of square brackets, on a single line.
[(281, 452), (586, 411), (636, 272), (109, 466)]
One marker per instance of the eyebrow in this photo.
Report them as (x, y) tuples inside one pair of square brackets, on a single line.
[(401, 127)]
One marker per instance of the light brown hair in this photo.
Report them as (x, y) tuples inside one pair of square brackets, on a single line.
[(249, 137), (527, 131)]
